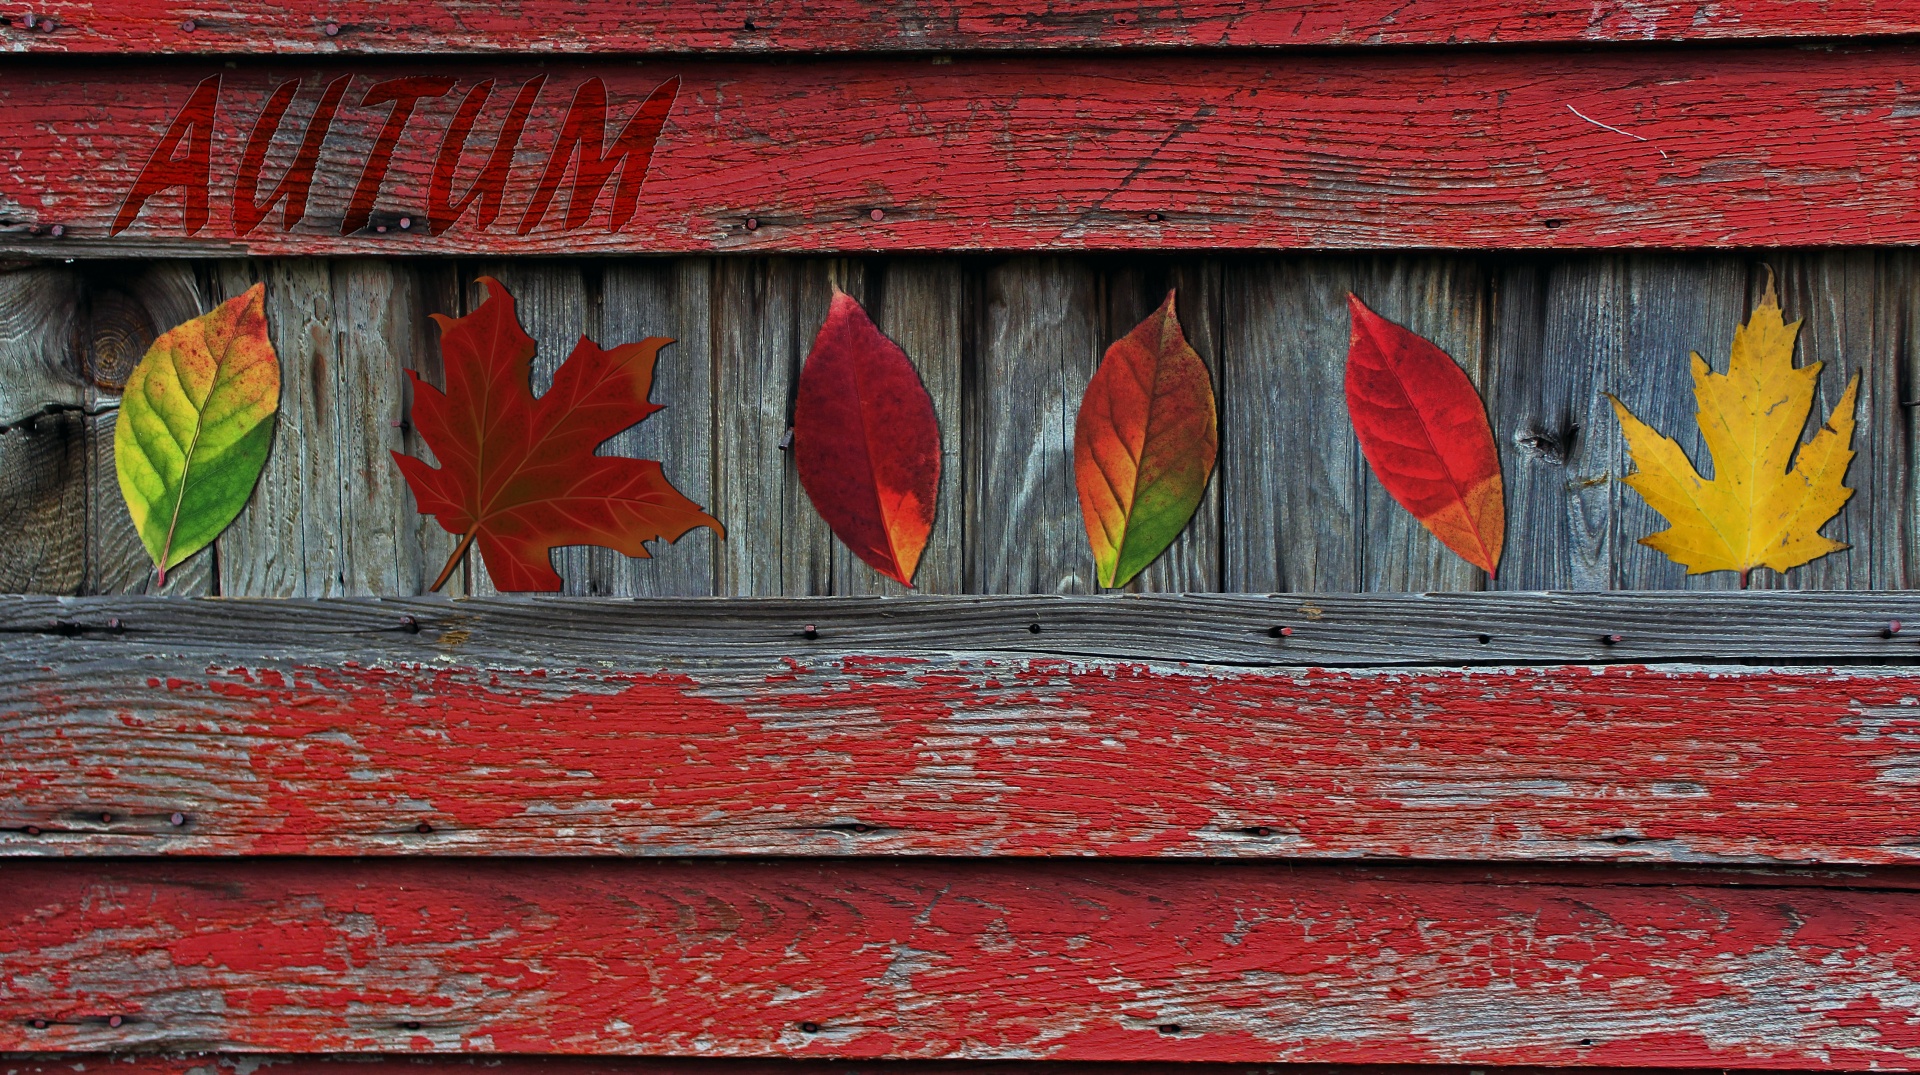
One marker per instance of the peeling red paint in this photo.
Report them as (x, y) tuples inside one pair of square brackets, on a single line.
[(979, 757), (1066, 961), (1457, 149), (540, 26)]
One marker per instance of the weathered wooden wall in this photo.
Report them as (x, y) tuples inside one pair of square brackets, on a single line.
[(1005, 344)]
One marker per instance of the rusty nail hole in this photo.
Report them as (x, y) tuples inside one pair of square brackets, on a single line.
[(1553, 222), (860, 827), (1033, 628), (1586, 1041), (37, 1024), (33, 830), (1169, 1028), (114, 624), (810, 1028), (114, 1020), (1623, 839), (410, 625), (106, 819), (381, 228), (331, 29), (1258, 830), (423, 827), (810, 632), (177, 818), (1279, 632), (411, 1024), (748, 25), (878, 215), (1892, 628), (1611, 640), (1485, 639), (1153, 216), (189, 26), (753, 223)]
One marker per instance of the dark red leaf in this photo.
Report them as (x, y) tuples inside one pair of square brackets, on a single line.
[(866, 442)]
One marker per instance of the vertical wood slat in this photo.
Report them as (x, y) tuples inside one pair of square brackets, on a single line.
[(1040, 341)]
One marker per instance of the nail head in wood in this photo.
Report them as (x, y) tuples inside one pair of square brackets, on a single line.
[(423, 828), (1611, 640), (189, 26), (1033, 628), (1279, 632), (331, 29), (1169, 1028), (878, 215), (753, 223), (37, 1024), (177, 819), (1892, 628), (810, 632)]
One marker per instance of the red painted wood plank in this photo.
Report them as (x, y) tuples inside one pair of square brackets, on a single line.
[(443, 1064), (932, 959), (1700, 148), (588, 26), (158, 750)]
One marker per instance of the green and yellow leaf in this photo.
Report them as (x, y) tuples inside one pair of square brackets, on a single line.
[(195, 423)]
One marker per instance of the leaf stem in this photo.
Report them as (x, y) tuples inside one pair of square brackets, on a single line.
[(454, 560)]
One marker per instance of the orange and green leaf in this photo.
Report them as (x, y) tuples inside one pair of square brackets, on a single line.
[(1424, 430), (518, 476), (1144, 445), (866, 442), (194, 427)]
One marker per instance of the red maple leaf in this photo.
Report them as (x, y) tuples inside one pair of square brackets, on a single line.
[(517, 474)]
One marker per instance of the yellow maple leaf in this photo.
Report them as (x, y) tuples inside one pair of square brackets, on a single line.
[(1764, 506)]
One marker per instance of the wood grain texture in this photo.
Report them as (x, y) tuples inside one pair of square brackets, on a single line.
[(1064, 961), (1040, 341), (766, 314), (1410, 149), (735, 26), (1170, 726), (444, 1064)]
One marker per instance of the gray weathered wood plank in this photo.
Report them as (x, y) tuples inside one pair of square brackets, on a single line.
[(1333, 630)]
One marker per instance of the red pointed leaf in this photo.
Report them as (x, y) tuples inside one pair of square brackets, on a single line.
[(1144, 445), (518, 475), (1424, 430), (866, 442)]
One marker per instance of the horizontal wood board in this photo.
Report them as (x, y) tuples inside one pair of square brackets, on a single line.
[(412, 27), (1005, 346), (1062, 960), (1654, 147), (1165, 726)]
